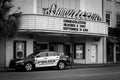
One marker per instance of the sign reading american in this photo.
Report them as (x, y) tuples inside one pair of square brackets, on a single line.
[(71, 13)]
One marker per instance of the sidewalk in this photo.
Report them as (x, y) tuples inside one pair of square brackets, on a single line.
[(76, 66), (4, 69)]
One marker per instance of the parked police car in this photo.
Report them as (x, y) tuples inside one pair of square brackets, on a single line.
[(41, 59)]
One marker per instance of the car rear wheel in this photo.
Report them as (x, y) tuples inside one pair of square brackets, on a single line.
[(28, 67), (61, 65)]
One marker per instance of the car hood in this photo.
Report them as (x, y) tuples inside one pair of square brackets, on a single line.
[(14, 60)]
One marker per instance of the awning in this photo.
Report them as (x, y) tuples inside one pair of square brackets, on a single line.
[(112, 40), (114, 32)]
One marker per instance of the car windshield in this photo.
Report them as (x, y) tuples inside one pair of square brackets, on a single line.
[(35, 53), (50, 53), (32, 54)]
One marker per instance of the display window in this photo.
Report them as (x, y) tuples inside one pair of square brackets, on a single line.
[(19, 49), (118, 52), (79, 51)]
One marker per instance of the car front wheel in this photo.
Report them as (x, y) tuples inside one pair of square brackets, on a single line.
[(28, 67), (61, 65)]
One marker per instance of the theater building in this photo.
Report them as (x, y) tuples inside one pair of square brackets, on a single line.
[(74, 27)]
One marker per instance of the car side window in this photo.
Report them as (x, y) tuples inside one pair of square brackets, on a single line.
[(51, 54), (57, 54), (42, 54), (61, 54)]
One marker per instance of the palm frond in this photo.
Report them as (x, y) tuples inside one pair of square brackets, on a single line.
[(9, 23)]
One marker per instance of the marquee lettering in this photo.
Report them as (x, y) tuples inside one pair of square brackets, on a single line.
[(74, 25), (71, 13)]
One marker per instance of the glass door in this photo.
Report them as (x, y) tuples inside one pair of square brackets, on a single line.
[(93, 53), (60, 48)]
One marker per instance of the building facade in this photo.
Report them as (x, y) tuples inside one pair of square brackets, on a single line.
[(111, 14), (74, 27)]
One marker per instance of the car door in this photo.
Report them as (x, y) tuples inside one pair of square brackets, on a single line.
[(53, 58), (41, 59)]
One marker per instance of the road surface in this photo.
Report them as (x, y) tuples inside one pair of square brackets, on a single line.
[(103, 73)]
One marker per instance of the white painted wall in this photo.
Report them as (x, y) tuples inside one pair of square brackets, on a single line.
[(99, 56), (100, 51), (9, 52), (35, 6), (94, 6), (68, 4), (110, 7), (26, 6), (114, 8)]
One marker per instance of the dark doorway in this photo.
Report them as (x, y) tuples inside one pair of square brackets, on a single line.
[(67, 49), (53, 47), (118, 52), (110, 52), (37, 46)]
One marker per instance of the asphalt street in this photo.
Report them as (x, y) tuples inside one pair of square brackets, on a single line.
[(103, 73)]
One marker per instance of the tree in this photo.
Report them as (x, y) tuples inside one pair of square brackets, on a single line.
[(9, 22)]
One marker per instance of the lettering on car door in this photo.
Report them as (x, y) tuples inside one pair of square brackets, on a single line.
[(41, 59)]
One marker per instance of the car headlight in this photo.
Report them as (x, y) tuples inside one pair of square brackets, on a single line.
[(21, 61)]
